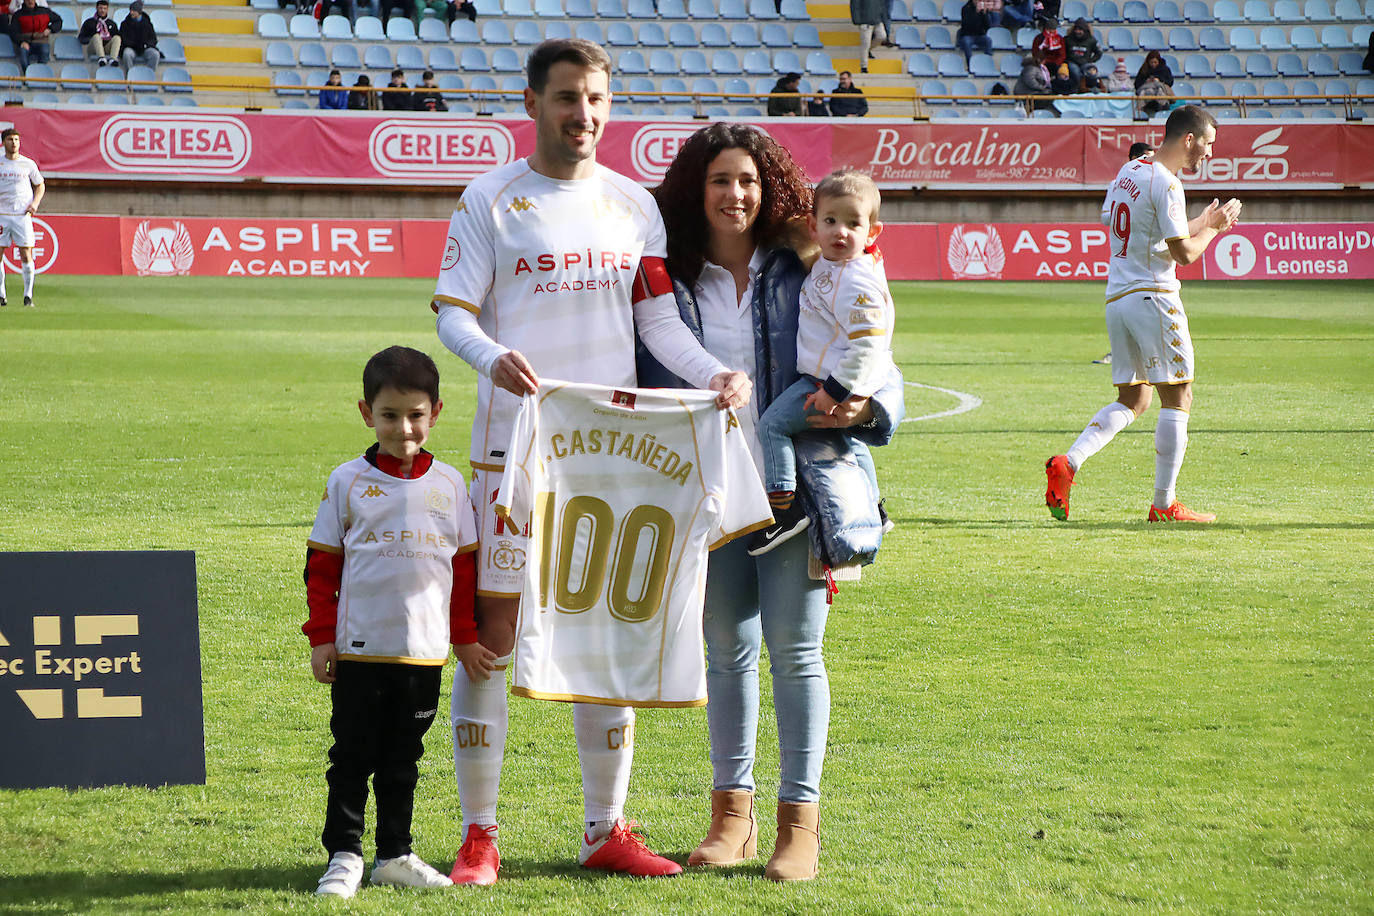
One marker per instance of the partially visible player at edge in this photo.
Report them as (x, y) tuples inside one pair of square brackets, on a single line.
[(1150, 234), (21, 191), (551, 264)]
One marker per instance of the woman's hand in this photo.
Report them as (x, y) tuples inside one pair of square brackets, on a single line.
[(732, 389), (854, 411)]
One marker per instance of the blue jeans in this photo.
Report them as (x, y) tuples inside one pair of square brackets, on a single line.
[(37, 52), (783, 419), (970, 43), (789, 615)]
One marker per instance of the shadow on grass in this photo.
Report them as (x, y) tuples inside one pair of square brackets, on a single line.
[(1133, 524)]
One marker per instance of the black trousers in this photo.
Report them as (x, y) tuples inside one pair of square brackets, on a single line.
[(381, 713)]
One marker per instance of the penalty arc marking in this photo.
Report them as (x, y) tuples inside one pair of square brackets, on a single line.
[(966, 403)]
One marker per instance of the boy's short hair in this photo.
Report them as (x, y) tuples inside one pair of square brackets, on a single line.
[(5, 134), (1139, 149), (578, 51), (402, 369), (850, 182)]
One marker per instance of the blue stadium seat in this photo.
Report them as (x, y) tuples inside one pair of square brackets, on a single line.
[(673, 84), (410, 57), (951, 65), (1243, 38), (1120, 39), (83, 98), (714, 35), (964, 87), (683, 35), (465, 32), (1184, 90), (1275, 88), (345, 57), (641, 9), (1359, 35), (818, 64), (336, 28), (279, 54), (434, 31), (399, 28), (589, 31), (1152, 39), (506, 60), (725, 63), (287, 82), (1290, 65), (641, 89), (1273, 38), (1317, 11), (738, 89), (662, 63), (1328, 112), (1001, 39), (733, 9), (934, 87), (1212, 39), (66, 47), (1228, 66), (449, 84), (610, 9), (922, 66), (907, 37), (72, 72), (1257, 11), (1335, 38), (795, 10), (693, 63), (1259, 113), (926, 11), (557, 29), (1305, 38), (151, 101), (763, 10), (672, 9), (1182, 38), (982, 65), (774, 35), (496, 33), (369, 28), (172, 50), (1348, 11), (579, 9), (1337, 88), (470, 60), (1287, 11), (949, 12), (548, 9), (651, 35), (517, 9), (787, 61), (938, 38), (1025, 38), (176, 75), (900, 11), (270, 25), (526, 33), (744, 35), (1243, 88), (705, 85), (1211, 89), (312, 55), (1136, 11), (620, 35), (1167, 11), (805, 35), (1198, 66), (1197, 11), (442, 58), (1010, 65), (631, 63), (1227, 11), (701, 9), (1307, 87), (1015, 113), (304, 27), (1351, 62), (165, 22), (1104, 11), (1073, 10), (513, 88)]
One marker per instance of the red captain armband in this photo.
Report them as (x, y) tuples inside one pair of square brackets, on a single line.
[(651, 279)]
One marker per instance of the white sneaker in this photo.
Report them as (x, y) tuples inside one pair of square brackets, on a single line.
[(342, 877), (408, 870)]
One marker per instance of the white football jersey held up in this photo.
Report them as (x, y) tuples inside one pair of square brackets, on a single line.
[(625, 491), (844, 329), (18, 176), (1144, 209), (398, 538), (547, 267)]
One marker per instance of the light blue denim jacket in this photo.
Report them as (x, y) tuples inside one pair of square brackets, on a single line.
[(834, 488)]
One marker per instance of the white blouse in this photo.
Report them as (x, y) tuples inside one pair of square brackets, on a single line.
[(727, 324)]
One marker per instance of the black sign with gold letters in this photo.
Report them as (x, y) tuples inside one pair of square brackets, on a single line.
[(100, 670)]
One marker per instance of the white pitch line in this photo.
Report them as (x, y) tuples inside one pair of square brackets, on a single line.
[(967, 402)]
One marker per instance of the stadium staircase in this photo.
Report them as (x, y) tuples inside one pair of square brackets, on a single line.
[(223, 50)]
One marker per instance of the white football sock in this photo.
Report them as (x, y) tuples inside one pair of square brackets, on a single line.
[(606, 749), (27, 271), (1171, 441), (1109, 421), (478, 718)]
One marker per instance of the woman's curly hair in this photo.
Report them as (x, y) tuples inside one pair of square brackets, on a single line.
[(786, 194)]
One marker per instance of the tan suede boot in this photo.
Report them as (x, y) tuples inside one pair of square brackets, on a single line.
[(734, 834), (797, 855)]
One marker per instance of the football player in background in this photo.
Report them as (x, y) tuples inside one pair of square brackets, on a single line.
[(1150, 233), (21, 191)]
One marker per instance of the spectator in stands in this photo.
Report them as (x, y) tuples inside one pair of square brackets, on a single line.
[(1080, 48), (1369, 58), (1159, 96), (1092, 81), (333, 95), (345, 5), (404, 7), (1017, 14), (1063, 83), (428, 95), (887, 23), (868, 16), (441, 8), (785, 106), (1047, 9), (1050, 45), (31, 28), (5, 16), (974, 23), (398, 101), (362, 97), (1155, 67), (1032, 81), (816, 106), (461, 8), (99, 36), (847, 101), (139, 38), (302, 6), (1120, 80)]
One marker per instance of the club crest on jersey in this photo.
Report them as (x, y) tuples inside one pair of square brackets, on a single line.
[(453, 253), (824, 283), (438, 502), (624, 399), (508, 557), (520, 205), (976, 252)]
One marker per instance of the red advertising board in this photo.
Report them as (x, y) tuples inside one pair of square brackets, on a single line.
[(372, 149), (207, 247)]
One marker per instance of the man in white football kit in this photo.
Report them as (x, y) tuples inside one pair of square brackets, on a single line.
[(624, 491), (1150, 233), (21, 191), (552, 263)]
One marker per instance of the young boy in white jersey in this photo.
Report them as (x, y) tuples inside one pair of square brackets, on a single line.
[(21, 191), (844, 340), (1150, 233), (389, 581)]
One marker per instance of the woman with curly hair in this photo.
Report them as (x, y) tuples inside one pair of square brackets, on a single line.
[(734, 204)]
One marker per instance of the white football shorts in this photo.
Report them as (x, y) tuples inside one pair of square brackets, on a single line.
[(501, 550), (16, 229), (1149, 337)]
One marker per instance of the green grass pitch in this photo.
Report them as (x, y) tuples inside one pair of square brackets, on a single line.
[(1098, 716)]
